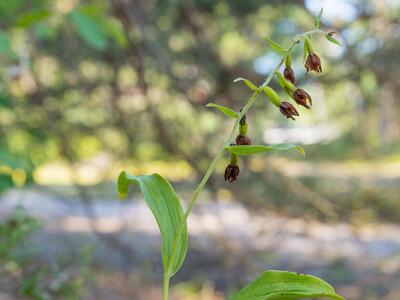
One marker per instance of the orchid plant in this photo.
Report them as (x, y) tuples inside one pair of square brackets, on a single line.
[(172, 218)]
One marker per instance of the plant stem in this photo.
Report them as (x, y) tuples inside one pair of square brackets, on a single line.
[(165, 287), (218, 156)]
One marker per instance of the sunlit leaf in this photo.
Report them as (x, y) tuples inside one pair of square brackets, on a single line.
[(282, 285), (275, 46), (247, 82), (116, 31), (317, 20), (163, 202), (32, 17), (332, 39), (90, 31), (225, 110), (254, 149)]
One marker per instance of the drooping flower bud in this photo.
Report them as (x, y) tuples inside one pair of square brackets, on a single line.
[(288, 110), (231, 173), (289, 75), (288, 72), (232, 170), (313, 63), (243, 140), (302, 98)]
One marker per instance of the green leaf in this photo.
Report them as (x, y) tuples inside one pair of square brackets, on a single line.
[(116, 31), (225, 110), (332, 39), (5, 45), (254, 149), (282, 285), (275, 46), (163, 202), (317, 20), (32, 17), (247, 82), (90, 31)]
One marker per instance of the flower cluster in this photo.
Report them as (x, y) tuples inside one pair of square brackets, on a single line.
[(287, 82)]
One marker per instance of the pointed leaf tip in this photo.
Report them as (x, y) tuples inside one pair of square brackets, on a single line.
[(279, 49), (225, 110), (332, 39), (247, 82), (166, 208), (243, 150), (317, 20)]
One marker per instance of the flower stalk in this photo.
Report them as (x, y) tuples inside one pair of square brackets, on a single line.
[(220, 154)]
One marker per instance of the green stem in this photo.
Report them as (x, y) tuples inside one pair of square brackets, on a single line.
[(218, 156), (165, 287)]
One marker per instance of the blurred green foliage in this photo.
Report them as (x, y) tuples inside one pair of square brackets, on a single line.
[(79, 78), (89, 86)]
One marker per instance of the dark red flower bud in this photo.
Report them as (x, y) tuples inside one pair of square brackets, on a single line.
[(289, 75), (288, 110), (231, 173), (243, 140), (302, 98), (313, 63)]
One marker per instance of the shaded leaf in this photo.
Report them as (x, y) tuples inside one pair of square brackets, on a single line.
[(332, 39), (254, 149), (317, 20), (247, 82), (225, 110), (89, 30), (5, 45), (163, 202), (275, 46), (282, 285)]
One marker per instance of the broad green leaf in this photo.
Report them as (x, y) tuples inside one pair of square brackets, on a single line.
[(90, 31), (32, 17), (282, 285), (332, 39), (163, 202), (225, 110), (275, 46), (247, 82), (317, 20), (254, 149)]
